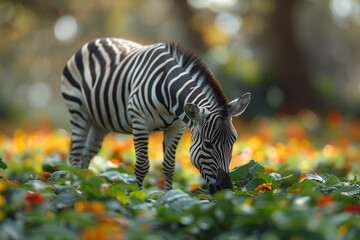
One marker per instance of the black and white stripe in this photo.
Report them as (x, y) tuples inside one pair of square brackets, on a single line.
[(117, 85)]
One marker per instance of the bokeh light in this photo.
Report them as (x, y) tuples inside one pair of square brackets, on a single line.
[(341, 8), (66, 28), (39, 94), (228, 22)]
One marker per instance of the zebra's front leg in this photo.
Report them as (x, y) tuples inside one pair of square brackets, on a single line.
[(171, 140), (141, 142)]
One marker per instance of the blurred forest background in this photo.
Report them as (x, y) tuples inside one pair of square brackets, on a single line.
[(290, 54)]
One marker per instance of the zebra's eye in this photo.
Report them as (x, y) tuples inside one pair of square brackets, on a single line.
[(208, 144)]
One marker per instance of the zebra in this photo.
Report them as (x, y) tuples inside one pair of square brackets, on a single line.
[(113, 84)]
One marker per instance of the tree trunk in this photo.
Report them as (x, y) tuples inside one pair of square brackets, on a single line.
[(195, 38), (289, 64)]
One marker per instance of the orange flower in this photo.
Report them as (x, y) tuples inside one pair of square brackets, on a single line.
[(106, 188), (196, 187), (115, 180), (269, 170), (296, 190), (115, 161), (162, 180), (90, 174), (14, 183), (325, 200), (45, 176), (263, 187), (160, 185), (334, 119), (201, 195)]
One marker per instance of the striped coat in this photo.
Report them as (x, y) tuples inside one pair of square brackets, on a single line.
[(116, 85)]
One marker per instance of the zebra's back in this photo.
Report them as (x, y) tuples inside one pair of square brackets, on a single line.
[(99, 79)]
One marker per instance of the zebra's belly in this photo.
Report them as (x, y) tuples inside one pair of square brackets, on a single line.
[(112, 117)]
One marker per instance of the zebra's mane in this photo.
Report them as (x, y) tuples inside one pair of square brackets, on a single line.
[(199, 71)]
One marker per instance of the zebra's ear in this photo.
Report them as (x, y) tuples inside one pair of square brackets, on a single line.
[(192, 112), (239, 105)]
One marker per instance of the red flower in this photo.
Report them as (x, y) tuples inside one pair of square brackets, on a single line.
[(296, 190), (325, 200), (354, 208), (28, 207), (34, 198)]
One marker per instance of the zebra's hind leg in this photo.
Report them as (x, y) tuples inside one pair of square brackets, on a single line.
[(80, 130), (93, 144), (171, 140), (142, 165)]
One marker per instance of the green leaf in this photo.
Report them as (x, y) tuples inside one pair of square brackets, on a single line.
[(154, 195), (172, 195), (90, 187), (122, 197), (65, 200), (346, 191), (314, 177), (124, 177), (37, 185), (278, 180), (49, 230), (82, 219), (355, 179), (137, 197), (11, 229), (176, 201), (2, 164), (254, 183), (57, 175), (61, 188), (242, 174), (266, 177)]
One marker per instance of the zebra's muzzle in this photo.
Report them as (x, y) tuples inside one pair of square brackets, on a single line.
[(223, 181)]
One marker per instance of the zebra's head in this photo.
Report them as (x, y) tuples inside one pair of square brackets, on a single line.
[(212, 138)]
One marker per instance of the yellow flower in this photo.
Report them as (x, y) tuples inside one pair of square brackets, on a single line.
[(97, 207), (2, 201), (3, 186), (342, 230), (27, 162), (50, 214), (248, 201), (80, 206)]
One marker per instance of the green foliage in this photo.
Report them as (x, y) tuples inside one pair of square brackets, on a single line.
[(2, 164), (73, 203)]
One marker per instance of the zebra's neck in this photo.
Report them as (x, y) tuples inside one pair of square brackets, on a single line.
[(198, 86)]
